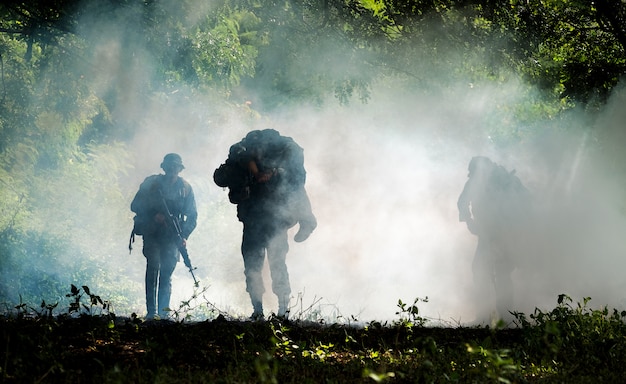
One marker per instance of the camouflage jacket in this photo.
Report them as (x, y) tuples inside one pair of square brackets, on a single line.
[(180, 200)]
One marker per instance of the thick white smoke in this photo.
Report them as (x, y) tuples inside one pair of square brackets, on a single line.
[(383, 179)]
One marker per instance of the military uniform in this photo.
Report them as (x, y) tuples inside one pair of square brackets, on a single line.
[(160, 242), (265, 175), (495, 205)]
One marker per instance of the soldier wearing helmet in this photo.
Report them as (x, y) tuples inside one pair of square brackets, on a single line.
[(495, 206), (160, 246)]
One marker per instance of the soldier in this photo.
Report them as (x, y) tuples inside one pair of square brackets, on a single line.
[(495, 206), (265, 175), (157, 194)]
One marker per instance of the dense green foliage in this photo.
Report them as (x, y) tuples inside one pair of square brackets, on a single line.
[(573, 344)]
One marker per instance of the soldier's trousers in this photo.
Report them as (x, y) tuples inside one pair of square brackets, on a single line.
[(161, 259), (492, 270), (261, 237)]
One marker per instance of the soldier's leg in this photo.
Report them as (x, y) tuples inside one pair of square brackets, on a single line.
[(151, 251), (276, 256), (169, 258), (483, 272), (253, 251), (504, 288)]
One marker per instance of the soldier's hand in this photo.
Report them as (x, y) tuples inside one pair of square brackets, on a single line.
[(264, 177)]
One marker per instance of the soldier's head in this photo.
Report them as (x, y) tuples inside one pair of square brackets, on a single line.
[(259, 140), (172, 163), (478, 165)]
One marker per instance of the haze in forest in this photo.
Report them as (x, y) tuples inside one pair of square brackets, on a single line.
[(383, 178)]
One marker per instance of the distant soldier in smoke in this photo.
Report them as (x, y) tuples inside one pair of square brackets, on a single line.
[(265, 175), (157, 195), (496, 207)]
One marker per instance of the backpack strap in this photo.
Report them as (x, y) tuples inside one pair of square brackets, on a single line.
[(131, 241)]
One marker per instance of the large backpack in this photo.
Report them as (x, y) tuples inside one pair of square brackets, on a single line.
[(143, 224), (279, 152), (512, 200)]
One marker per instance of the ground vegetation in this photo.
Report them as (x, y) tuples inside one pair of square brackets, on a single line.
[(571, 343)]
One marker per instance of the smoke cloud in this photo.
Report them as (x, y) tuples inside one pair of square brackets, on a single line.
[(383, 179)]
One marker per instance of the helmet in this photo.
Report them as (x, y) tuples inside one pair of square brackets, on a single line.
[(172, 159), (479, 163), (260, 139)]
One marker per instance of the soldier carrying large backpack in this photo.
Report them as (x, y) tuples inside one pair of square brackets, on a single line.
[(496, 207), (265, 176), (159, 200)]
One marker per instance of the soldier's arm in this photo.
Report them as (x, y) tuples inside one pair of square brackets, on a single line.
[(463, 204), (191, 214)]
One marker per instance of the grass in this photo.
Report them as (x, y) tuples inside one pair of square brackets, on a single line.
[(570, 344)]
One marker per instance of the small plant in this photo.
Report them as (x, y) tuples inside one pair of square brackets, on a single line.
[(22, 309), (494, 364), (192, 309), (281, 341), (96, 305), (409, 314), (316, 311), (46, 309)]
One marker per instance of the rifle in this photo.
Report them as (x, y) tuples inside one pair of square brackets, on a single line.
[(173, 221)]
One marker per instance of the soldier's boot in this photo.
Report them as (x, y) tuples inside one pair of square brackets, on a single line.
[(307, 226), (164, 303), (151, 304), (257, 310), (283, 306)]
